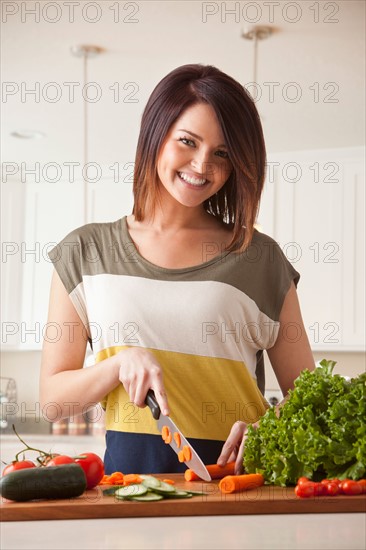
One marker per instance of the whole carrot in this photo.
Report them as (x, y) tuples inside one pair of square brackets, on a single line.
[(232, 484), (215, 471)]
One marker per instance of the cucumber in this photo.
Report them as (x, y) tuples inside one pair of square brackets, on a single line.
[(178, 494), (163, 488), (44, 482), (149, 497), (133, 490), (150, 482)]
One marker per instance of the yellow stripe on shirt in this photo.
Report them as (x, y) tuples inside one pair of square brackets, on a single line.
[(235, 396)]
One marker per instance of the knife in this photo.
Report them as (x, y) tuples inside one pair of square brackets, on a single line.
[(195, 463)]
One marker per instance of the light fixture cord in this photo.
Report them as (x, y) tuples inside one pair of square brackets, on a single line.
[(85, 139), (255, 47)]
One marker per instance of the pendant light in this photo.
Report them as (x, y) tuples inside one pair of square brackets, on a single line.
[(85, 52), (256, 33)]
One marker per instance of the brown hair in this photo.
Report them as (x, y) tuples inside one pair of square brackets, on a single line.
[(237, 201)]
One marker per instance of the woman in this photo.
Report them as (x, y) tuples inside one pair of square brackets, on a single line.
[(183, 295)]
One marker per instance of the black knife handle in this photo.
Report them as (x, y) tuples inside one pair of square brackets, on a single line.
[(153, 404)]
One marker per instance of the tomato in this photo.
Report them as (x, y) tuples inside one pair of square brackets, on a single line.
[(332, 488), (305, 490), (326, 481), (320, 489), (59, 460), (93, 468), (351, 487), (18, 465), (302, 480), (341, 482), (362, 483)]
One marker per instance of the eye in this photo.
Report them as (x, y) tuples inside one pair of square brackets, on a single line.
[(187, 141), (222, 154)]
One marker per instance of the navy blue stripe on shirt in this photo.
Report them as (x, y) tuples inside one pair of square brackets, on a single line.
[(148, 454)]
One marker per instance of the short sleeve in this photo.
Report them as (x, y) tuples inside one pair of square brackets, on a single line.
[(67, 258)]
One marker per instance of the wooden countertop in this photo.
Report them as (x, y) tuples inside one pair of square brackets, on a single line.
[(264, 500)]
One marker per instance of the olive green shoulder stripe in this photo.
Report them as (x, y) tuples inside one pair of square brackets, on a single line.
[(262, 272)]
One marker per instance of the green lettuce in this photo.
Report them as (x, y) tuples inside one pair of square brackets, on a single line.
[(320, 431)]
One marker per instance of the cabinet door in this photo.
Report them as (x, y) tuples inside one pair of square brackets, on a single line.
[(12, 220), (313, 206), (109, 201), (52, 211)]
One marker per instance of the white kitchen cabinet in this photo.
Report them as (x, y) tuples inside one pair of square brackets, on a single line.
[(12, 216), (50, 212), (37, 217), (109, 200), (313, 206)]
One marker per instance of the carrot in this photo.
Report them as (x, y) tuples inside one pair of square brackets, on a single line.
[(104, 480), (128, 479), (232, 484), (215, 471), (187, 453), (169, 438), (177, 439), (112, 479), (181, 456), (169, 481), (165, 432)]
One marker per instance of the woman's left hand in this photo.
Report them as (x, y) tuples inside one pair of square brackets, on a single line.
[(233, 448)]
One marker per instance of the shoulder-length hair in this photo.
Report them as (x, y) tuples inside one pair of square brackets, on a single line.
[(237, 202)]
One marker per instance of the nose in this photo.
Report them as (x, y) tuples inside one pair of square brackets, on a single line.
[(201, 163)]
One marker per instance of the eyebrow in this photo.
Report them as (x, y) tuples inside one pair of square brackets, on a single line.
[(198, 137)]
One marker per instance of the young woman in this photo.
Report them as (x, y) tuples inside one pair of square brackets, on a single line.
[(183, 295)]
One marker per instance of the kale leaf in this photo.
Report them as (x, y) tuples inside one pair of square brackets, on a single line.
[(319, 432)]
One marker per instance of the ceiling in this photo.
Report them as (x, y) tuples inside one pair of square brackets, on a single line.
[(314, 64)]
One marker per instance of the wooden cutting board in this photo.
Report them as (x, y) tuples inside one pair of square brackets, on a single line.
[(264, 500)]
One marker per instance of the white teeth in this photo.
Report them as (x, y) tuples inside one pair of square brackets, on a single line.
[(192, 180)]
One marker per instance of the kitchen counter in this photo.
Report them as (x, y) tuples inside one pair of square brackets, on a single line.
[(282, 532), (337, 531)]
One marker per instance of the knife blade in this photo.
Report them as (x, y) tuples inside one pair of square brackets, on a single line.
[(195, 463)]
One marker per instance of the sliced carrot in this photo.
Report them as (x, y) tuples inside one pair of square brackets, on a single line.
[(116, 475), (233, 484), (128, 479), (169, 438), (215, 471), (187, 453), (165, 432), (169, 481), (104, 480), (177, 439), (181, 456)]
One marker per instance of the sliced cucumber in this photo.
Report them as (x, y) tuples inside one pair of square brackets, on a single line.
[(151, 482), (194, 493), (133, 490), (110, 492), (149, 497), (164, 488), (178, 494)]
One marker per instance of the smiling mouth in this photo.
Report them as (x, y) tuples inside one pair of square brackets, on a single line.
[(192, 180)]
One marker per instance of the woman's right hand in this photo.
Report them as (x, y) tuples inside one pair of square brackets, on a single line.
[(140, 371)]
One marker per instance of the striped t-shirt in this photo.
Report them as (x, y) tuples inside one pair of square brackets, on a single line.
[(207, 325)]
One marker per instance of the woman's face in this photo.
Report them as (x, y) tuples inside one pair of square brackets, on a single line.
[(193, 163)]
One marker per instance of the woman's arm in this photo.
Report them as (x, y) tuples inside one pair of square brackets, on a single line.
[(291, 353), (289, 356), (65, 382)]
